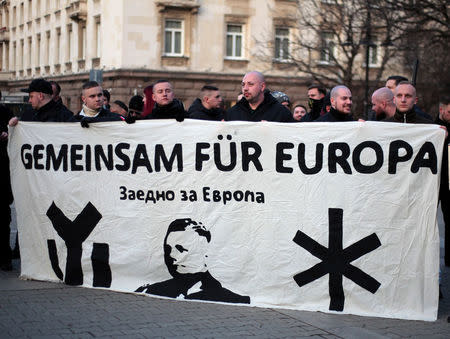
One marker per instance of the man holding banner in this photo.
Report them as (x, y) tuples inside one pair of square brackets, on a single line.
[(257, 104)]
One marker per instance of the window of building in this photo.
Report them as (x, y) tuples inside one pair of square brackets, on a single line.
[(14, 58), (173, 37), (21, 53), (14, 16), (58, 46), (21, 13), (82, 41), (234, 41), (47, 48), (29, 54), (30, 10), (69, 43), (38, 50), (282, 43), (98, 35), (373, 56), (328, 48)]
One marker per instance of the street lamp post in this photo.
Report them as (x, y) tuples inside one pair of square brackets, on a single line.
[(369, 43)]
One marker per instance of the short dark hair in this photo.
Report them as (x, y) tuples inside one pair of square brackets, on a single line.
[(320, 88), (209, 88), (90, 84), (58, 88), (136, 103), (121, 104), (106, 94), (444, 100), (397, 79), (160, 81), (300, 105)]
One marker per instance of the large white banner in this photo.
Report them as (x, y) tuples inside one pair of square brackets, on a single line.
[(332, 217)]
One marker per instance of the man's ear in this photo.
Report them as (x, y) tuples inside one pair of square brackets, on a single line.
[(263, 86), (332, 101)]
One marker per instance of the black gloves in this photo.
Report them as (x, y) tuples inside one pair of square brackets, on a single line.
[(85, 121), (130, 119)]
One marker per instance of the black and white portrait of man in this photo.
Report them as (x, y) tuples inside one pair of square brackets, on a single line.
[(185, 248)]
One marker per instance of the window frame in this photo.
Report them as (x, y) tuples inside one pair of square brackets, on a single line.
[(326, 49), (173, 31), (281, 57), (234, 36)]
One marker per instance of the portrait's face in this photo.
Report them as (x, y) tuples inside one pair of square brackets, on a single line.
[(404, 97), (314, 93), (35, 99), (299, 112), (163, 93), (93, 98), (252, 87), (187, 251), (343, 101)]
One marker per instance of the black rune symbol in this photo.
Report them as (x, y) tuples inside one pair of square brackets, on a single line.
[(336, 261)]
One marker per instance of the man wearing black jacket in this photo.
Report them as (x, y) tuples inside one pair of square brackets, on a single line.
[(5, 188), (257, 103), (341, 106), (44, 109), (316, 97), (93, 109), (209, 107), (404, 99), (166, 106), (443, 119)]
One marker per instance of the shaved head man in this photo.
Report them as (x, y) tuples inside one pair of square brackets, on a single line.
[(253, 86), (259, 104), (383, 103), (404, 98), (341, 105)]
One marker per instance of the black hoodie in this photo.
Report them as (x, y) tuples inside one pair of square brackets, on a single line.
[(335, 116), (409, 117), (174, 110), (270, 110), (198, 111)]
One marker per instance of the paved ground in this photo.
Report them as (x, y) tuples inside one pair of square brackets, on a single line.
[(34, 309)]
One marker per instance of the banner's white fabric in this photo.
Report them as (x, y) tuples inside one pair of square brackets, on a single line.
[(322, 217)]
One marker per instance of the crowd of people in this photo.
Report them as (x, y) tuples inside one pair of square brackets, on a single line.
[(396, 102)]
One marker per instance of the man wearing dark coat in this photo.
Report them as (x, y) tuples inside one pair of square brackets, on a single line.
[(316, 98), (5, 188), (404, 99), (443, 119), (93, 109), (208, 106), (166, 106), (257, 103), (341, 106), (44, 109), (184, 254)]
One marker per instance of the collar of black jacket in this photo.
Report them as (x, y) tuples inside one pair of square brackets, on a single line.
[(409, 116), (339, 116)]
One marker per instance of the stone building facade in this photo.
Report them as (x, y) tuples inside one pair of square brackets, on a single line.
[(132, 43)]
